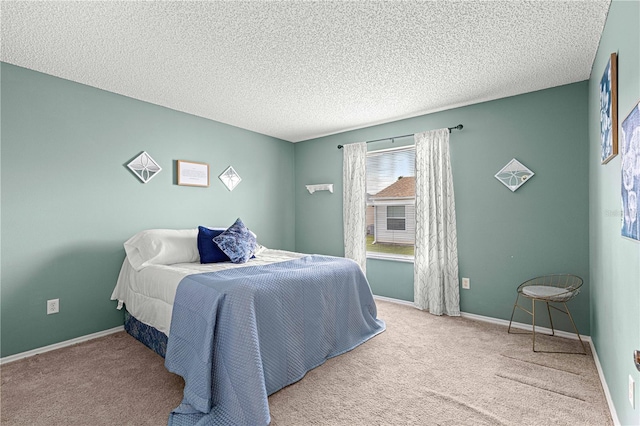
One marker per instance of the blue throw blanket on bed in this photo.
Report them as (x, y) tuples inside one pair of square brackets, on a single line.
[(241, 334)]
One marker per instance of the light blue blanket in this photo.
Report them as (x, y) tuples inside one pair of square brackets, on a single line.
[(242, 334)]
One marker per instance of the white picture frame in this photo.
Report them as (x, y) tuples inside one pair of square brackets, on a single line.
[(514, 175), (230, 178), (144, 167)]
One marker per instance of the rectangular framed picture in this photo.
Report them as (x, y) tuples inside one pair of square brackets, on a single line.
[(191, 173), (630, 148), (609, 110)]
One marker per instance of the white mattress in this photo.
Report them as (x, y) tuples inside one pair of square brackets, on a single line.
[(148, 294)]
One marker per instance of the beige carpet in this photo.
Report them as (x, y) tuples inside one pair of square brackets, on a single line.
[(424, 370)]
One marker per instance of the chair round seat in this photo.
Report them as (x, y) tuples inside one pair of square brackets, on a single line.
[(546, 292)]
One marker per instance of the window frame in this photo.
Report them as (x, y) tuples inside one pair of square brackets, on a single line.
[(404, 258), (397, 217)]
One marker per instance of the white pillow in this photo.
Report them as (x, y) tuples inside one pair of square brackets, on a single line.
[(162, 247)]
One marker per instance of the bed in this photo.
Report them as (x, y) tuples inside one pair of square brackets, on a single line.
[(238, 332)]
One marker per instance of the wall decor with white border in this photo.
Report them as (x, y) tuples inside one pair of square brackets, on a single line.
[(144, 167), (514, 175)]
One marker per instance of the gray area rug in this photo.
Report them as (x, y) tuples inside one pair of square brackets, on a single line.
[(423, 370)]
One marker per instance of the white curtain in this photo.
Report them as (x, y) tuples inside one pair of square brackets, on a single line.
[(436, 253), (354, 182)]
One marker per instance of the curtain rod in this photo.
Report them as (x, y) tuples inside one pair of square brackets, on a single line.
[(458, 127)]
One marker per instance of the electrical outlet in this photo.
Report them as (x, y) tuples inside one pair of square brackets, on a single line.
[(53, 306), (631, 392), (465, 283)]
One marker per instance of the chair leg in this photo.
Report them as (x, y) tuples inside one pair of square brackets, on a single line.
[(533, 322), (575, 328), (553, 331), (512, 312)]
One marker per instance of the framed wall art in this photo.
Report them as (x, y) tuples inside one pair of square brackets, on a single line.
[(144, 167), (191, 173), (609, 110), (230, 178), (630, 149), (514, 175)]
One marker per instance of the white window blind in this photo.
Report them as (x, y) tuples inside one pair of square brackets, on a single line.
[(384, 167)]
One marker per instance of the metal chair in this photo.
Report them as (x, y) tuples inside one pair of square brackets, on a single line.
[(556, 288)]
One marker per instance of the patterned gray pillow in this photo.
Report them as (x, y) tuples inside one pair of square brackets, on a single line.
[(237, 242)]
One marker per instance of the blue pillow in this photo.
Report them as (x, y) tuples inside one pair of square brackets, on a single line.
[(209, 251), (237, 242)]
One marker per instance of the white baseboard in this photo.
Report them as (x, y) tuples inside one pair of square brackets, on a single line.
[(492, 320), (391, 300), (560, 333), (55, 346), (607, 394), (522, 326)]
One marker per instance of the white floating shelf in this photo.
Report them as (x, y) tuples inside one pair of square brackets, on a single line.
[(320, 187)]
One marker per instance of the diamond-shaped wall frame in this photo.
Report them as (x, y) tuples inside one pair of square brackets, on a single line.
[(230, 178), (144, 167), (514, 175)]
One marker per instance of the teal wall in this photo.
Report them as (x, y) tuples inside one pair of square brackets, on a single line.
[(503, 237), (614, 261), (69, 202)]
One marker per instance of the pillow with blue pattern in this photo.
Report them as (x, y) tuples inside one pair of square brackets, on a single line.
[(237, 242), (209, 251)]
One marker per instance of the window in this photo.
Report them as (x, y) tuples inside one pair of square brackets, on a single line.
[(391, 203), (396, 219)]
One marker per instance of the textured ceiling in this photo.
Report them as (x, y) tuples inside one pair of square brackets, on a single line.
[(299, 70)]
